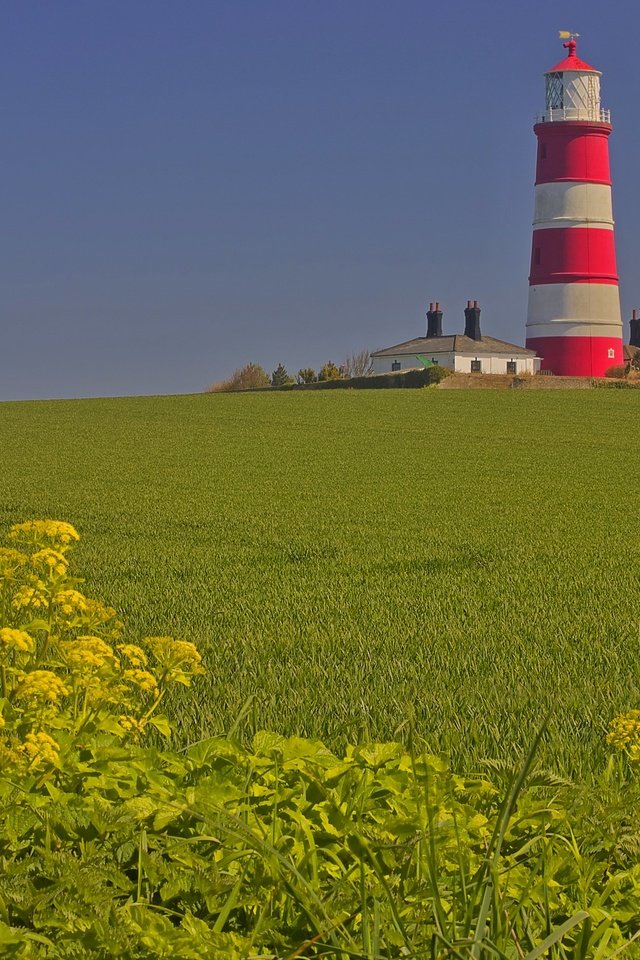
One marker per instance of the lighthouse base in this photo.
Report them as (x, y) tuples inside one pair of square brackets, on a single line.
[(577, 356)]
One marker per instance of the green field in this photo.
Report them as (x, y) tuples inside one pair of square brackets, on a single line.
[(462, 560)]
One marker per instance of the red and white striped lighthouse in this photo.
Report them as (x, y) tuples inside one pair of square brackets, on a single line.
[(574, 320)]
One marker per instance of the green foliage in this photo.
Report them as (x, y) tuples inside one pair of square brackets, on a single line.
[(306, 375), (353, 560), (424, 377), (249, 377), (280, 849), (280, 377), (286, 849), (616, 372), (437, 373), (329, 371)]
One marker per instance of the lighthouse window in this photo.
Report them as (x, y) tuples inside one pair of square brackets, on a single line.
[(555, 99), (611, 353)]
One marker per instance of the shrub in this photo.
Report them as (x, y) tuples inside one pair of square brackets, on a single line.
[(616, 372), (306, 375), (358, 364), (423, 377), (437, 374), (329, 371), (248, 377)]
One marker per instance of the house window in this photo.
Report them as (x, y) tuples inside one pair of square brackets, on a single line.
[(512, 366), (395, 365), (434, 361), (611, 353), (476, 366)]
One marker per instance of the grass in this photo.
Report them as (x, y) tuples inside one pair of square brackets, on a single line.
[(461, 561)]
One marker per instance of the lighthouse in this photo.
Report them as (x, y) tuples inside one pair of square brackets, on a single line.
[(573, 320)]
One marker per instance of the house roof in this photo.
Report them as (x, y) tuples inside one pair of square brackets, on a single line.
[(457, 343)]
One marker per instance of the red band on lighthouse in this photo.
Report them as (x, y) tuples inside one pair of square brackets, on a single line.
[(573, 150), (573, 255)]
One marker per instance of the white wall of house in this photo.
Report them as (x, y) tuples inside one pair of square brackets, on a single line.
[(459, 362), (386, 364)]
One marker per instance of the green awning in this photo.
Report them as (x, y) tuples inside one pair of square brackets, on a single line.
[(425, 361)]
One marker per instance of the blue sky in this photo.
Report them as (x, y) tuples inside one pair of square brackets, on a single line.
[(191, 185)]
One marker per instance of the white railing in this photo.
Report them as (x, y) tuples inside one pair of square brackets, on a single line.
[(573, 113)]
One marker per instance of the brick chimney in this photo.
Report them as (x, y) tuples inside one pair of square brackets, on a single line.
[(434, 321), (472, 321), (634, 335)]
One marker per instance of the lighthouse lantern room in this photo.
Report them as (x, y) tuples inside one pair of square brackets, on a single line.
[(573, 321)]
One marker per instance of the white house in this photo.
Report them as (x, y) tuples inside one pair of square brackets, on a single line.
[(469, 352)]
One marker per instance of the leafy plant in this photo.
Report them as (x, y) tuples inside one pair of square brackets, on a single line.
[(112, 847)]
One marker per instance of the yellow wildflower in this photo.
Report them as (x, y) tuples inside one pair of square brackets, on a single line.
[(18, 640), (70, 602), (41, 748), (624, 733), (40, 686), (132, 725), (9, 758), (10, 561), (52, 560), (134, 654), (98, 616), (176, 653), (37, 531), (29, 596), (142, 679), (88, 652)]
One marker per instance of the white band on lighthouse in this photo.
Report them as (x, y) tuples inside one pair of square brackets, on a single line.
[(574, 309), (567, 204)]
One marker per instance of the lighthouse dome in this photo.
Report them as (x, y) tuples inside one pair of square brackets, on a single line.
[(573, 90), (572, 61)]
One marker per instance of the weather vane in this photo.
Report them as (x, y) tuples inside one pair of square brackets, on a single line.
[(570, 41)]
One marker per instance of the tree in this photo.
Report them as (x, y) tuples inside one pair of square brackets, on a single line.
[(306, 375), (280, 377), (358, 364), (329, 371), (246, 378)]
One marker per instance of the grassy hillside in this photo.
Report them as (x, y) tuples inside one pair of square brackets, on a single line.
[(467, 559)]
